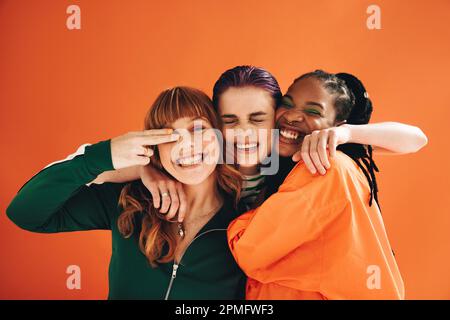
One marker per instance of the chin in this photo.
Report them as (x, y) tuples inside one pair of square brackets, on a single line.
[(246, 163), (287, 151), (193, 175)]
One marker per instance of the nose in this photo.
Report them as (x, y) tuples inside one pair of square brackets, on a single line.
[(294, 116)]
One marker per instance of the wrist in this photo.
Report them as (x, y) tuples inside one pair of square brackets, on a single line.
[(98, 157), (348, 132), (143, 171)]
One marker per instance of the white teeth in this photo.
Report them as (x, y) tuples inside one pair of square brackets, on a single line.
[(289, 134), (246, 145), (188, 161)]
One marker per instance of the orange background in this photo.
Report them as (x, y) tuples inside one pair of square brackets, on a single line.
[(61, 88)]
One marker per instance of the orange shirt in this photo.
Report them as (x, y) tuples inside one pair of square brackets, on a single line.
[(317, 238)]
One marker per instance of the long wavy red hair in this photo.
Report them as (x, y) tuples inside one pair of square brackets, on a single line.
[(155, 232)]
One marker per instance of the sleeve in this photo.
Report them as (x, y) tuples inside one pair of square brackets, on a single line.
[(58, 200), (262, 239)]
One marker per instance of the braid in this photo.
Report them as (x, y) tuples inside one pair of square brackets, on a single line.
[(363, 158), (360, 114)]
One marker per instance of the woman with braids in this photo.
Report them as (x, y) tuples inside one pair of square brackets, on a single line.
[(152, 258), (319, 236)]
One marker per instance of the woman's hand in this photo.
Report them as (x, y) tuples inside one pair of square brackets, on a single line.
[(314, 147), (132, 148), (166, 193)]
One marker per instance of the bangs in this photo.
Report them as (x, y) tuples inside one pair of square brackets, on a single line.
[(180, 102)]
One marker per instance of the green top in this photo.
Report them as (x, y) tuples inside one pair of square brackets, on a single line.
[(58, 200)]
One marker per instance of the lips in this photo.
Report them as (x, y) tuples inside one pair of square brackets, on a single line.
[(246, 147), (290, 134), (191, 160)]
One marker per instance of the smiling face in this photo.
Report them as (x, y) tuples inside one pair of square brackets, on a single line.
[(248, 117), (307, 106), (194, 157)]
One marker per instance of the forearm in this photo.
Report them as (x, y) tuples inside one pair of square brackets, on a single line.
[(38, 205), (392, 136), (119, 176)]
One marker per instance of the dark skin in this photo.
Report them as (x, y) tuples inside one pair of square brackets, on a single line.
[(307, 106)]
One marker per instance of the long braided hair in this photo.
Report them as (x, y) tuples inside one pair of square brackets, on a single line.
[(360, 114), (353, 106)]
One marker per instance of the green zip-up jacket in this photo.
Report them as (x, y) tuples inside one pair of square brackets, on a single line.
[(57, 199)]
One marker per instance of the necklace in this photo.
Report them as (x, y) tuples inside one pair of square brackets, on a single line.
[(181, 230)]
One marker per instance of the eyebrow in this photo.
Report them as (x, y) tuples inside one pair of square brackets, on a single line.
[(256, 114), (228, 116), (308, 103), (192, 119)]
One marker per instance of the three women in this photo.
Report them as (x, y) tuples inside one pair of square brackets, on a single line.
[(143, 226)]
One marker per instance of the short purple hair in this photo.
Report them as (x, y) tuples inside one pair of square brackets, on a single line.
[(246, 76)]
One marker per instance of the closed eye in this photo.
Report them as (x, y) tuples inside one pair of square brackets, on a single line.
[(258, 120), (313, 112), (285, 102), (198, 128), (229, 121)]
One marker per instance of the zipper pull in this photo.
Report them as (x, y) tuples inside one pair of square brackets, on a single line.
[(174, 270), (174, 275)]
